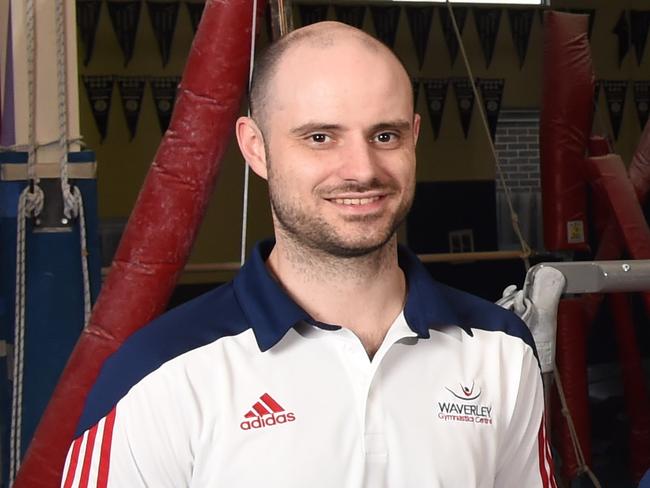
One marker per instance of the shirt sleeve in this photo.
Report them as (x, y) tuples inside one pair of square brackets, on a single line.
[(526, 458), (143, 442)]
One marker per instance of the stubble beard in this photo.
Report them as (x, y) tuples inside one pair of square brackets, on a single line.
[(313, 232)]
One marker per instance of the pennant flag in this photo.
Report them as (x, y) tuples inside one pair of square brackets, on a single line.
[(487, 25), (351, 14), (639, 23), (125, 16), (131, 90), (615, 92), (521, 23), (642, 101), (622, 31), (385, 20), (583, 11), (460, 14), (310, 14), (164, 95), (87, 20), (415, 83), (195, 10), (100, 91), (465, 101), (435, 90), (491, 93), (419, 19), (163, 17)]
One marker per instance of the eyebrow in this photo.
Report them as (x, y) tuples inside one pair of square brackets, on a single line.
[(314, 127), (399, 124)]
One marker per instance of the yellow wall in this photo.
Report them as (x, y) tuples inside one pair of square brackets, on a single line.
[(123, 164)]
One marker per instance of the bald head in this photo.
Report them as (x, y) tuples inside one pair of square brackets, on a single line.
[(314, 38)]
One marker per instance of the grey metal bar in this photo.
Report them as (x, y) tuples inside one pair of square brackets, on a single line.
[(603, 276)]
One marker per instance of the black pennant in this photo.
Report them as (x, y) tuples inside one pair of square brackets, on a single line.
[(87, 20), (460, 14), (164, 95), (131, 90), (639, 23), (310, 14), (491, 93), (583, 11), (419, 19), (642, 101), (385, 20), (615, 93), (465, 101), (351, 14), (125, 16), (163, 17), (195, 10), (622, 31), (521, 23), (435, 90), (487, 25), (415, 83), (100, 92)]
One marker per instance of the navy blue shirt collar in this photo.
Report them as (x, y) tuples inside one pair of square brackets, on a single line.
[(271, 312)]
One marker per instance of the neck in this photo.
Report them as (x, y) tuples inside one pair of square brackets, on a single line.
[(364, 294)]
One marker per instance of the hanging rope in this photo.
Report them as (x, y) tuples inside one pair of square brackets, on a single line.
[(30, 204), (72, 199), (514, 218), (244, 218)]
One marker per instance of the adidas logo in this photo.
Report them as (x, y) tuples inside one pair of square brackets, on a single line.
[(266, 412)]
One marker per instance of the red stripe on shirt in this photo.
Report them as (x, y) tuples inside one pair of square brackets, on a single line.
[(275, 406), (549, 459), (88, 457), (74, 459), (541, 446), (105, 453)]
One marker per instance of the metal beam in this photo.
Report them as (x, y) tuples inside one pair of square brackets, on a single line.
[(603, 276)]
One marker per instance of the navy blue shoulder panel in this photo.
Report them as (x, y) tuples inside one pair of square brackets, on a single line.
[(476, 313), (196, 323)]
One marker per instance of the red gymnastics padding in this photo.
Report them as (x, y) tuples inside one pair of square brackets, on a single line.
[(162, 226), (571, 360), (565, 124), (637, 401)]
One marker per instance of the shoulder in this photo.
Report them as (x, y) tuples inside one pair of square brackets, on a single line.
[(199, 322), (480, 314)]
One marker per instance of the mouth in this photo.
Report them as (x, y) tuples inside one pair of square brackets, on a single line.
[(356, 201)]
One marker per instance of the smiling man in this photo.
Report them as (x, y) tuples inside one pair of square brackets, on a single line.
[(332, 359)]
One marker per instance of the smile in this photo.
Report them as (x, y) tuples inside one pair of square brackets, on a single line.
[(355, 201)]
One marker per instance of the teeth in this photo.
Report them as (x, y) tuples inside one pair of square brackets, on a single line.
[(355, 201)]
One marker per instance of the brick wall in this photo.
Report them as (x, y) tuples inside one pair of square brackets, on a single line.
[(517, 146)]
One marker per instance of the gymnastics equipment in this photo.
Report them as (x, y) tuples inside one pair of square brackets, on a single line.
[(162, 226)]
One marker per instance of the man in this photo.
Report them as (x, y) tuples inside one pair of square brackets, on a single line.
[(332, 359)]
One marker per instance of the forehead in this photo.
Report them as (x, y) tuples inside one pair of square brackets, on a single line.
[(347, 77)]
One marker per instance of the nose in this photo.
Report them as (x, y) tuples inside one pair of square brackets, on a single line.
[(359, 161)]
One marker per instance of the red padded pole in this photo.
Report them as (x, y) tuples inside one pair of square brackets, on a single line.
[(162, 226), (571, 360), (637, 402), (565, 123)]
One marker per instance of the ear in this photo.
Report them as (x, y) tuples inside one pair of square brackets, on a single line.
[(251, 145), (416, 128)]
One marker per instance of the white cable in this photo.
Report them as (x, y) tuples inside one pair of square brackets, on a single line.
[(244, 218), (30, 203)]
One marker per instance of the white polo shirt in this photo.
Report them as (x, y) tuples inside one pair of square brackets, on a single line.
[(241, 388)]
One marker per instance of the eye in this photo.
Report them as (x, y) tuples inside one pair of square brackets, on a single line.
[(319, 138), (386, 138)]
